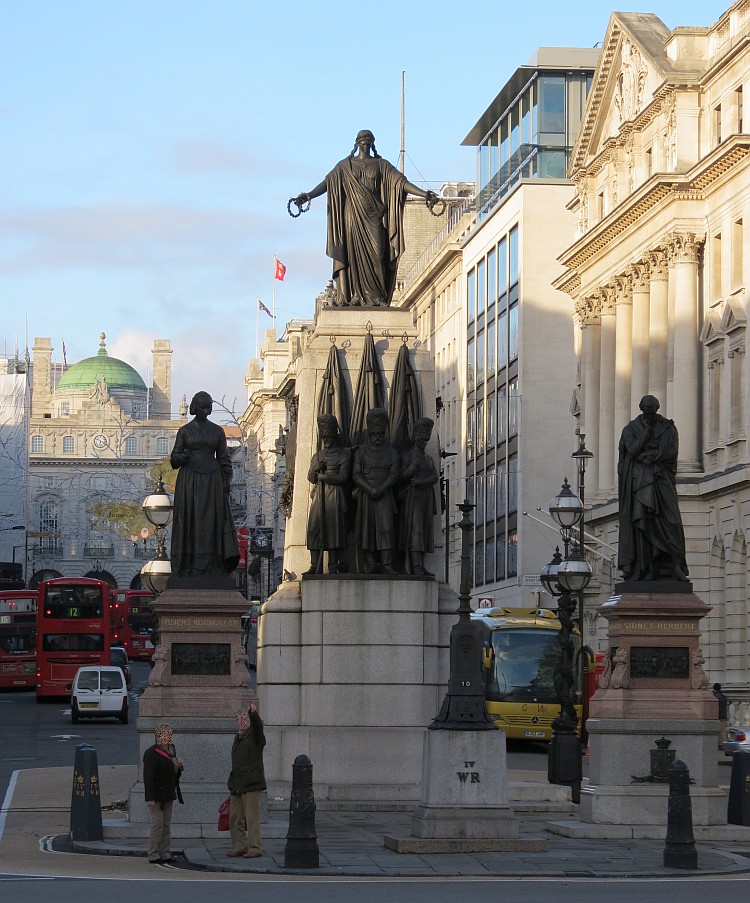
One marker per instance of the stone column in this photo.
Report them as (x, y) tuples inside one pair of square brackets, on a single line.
[(607, 444), (641, 310), (686, 402), (658, 327), (587, 311), (623, 356)]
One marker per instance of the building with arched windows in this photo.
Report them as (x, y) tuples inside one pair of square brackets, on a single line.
[(96, 435)]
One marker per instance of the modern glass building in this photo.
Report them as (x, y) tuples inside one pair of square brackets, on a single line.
[(528, 131), (520, 357)]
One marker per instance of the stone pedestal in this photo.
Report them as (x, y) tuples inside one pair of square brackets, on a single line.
[(198, 682), (350, 671), (654, 687)]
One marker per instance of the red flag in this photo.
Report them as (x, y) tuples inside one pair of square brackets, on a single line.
[(263, 307), (280, 270)]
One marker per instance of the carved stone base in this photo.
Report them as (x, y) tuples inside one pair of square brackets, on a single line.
[(198, 682), (654, 686)]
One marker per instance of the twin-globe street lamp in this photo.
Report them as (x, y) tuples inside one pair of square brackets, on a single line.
[(566, 578), (158, 509)]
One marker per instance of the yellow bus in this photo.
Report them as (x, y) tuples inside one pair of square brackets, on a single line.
[(520, 690)]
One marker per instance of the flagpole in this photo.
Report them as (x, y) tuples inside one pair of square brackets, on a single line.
[(273, 296), (257, 308)]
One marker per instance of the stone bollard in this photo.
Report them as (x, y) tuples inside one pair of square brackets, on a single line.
[(679, 851), (661, 760), (86, 802), (738, 809), (301, 850)]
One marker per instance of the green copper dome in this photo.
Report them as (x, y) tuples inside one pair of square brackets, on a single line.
[(86, 374)]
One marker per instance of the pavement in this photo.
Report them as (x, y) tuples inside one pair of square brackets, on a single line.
[(351, 843)]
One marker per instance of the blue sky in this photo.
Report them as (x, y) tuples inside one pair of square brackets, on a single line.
[(148, 151)]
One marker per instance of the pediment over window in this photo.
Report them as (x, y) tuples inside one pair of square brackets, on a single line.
[(712, 331), (734, 316)]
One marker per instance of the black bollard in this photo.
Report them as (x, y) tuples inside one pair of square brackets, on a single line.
[(301, 850), (679, 851), (738, 809), (86, 802)]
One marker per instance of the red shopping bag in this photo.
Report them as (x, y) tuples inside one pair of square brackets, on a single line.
[(224, 815)]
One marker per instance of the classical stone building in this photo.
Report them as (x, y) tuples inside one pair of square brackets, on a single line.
[(657, 273), (95, 434)]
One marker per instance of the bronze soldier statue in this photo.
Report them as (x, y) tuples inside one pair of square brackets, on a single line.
[(330, 473), (376, 472), (419, 507)]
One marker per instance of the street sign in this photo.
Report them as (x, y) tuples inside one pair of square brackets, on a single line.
[(532, 580)]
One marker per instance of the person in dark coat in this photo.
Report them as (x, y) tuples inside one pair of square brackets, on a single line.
[(204, 539), (723, 712), (246, 783), (161, 772)]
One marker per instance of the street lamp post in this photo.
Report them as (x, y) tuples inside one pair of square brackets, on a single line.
[(158, 509), (566, 578), (582, 456)]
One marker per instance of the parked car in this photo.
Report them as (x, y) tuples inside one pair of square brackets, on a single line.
[(119, 657), (99, 691), (738, 740)]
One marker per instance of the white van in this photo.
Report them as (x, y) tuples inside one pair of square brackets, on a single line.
[(99, 691)]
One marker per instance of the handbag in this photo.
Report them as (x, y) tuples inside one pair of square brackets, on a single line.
[(224, 815)]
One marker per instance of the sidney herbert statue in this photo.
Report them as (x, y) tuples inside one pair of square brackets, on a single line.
[(652, 540), (365, 234), (204, 540), (330, 472)]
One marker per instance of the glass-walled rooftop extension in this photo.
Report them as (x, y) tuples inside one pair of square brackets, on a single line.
[(528, 131)]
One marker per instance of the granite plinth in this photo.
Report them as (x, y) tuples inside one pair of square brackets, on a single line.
[(349, 673), (654, 687), (198, 682)]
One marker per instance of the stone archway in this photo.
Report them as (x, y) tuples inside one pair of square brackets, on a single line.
[(103, 575), (45, 574)]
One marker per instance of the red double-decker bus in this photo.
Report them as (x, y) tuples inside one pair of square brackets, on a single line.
[(18, 638), (133, 621), (73, 629)]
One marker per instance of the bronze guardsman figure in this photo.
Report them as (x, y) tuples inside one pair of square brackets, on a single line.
[(418, 507), (330, 473), (375, 474), (652, 539)]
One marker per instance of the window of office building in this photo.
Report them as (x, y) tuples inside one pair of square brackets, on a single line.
[(162, 445), (501, 483), (479, 434), (502, 340), (491, 278), (479, 500), (470, 366), (131, 445), (471, 295), (514, 405), (512, 554), (491, 493), (37, 444), (500, 558), (481, 287), (47, 525), (502, 414), (491, 421), (480, 358), (513, 257), (489, 560), (65, 409), (512, 483), (479, 564), (491, 349), (68, 445), (470, 435)]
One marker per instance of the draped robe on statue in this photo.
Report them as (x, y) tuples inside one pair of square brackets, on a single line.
[(365, 236), (650, 522)]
